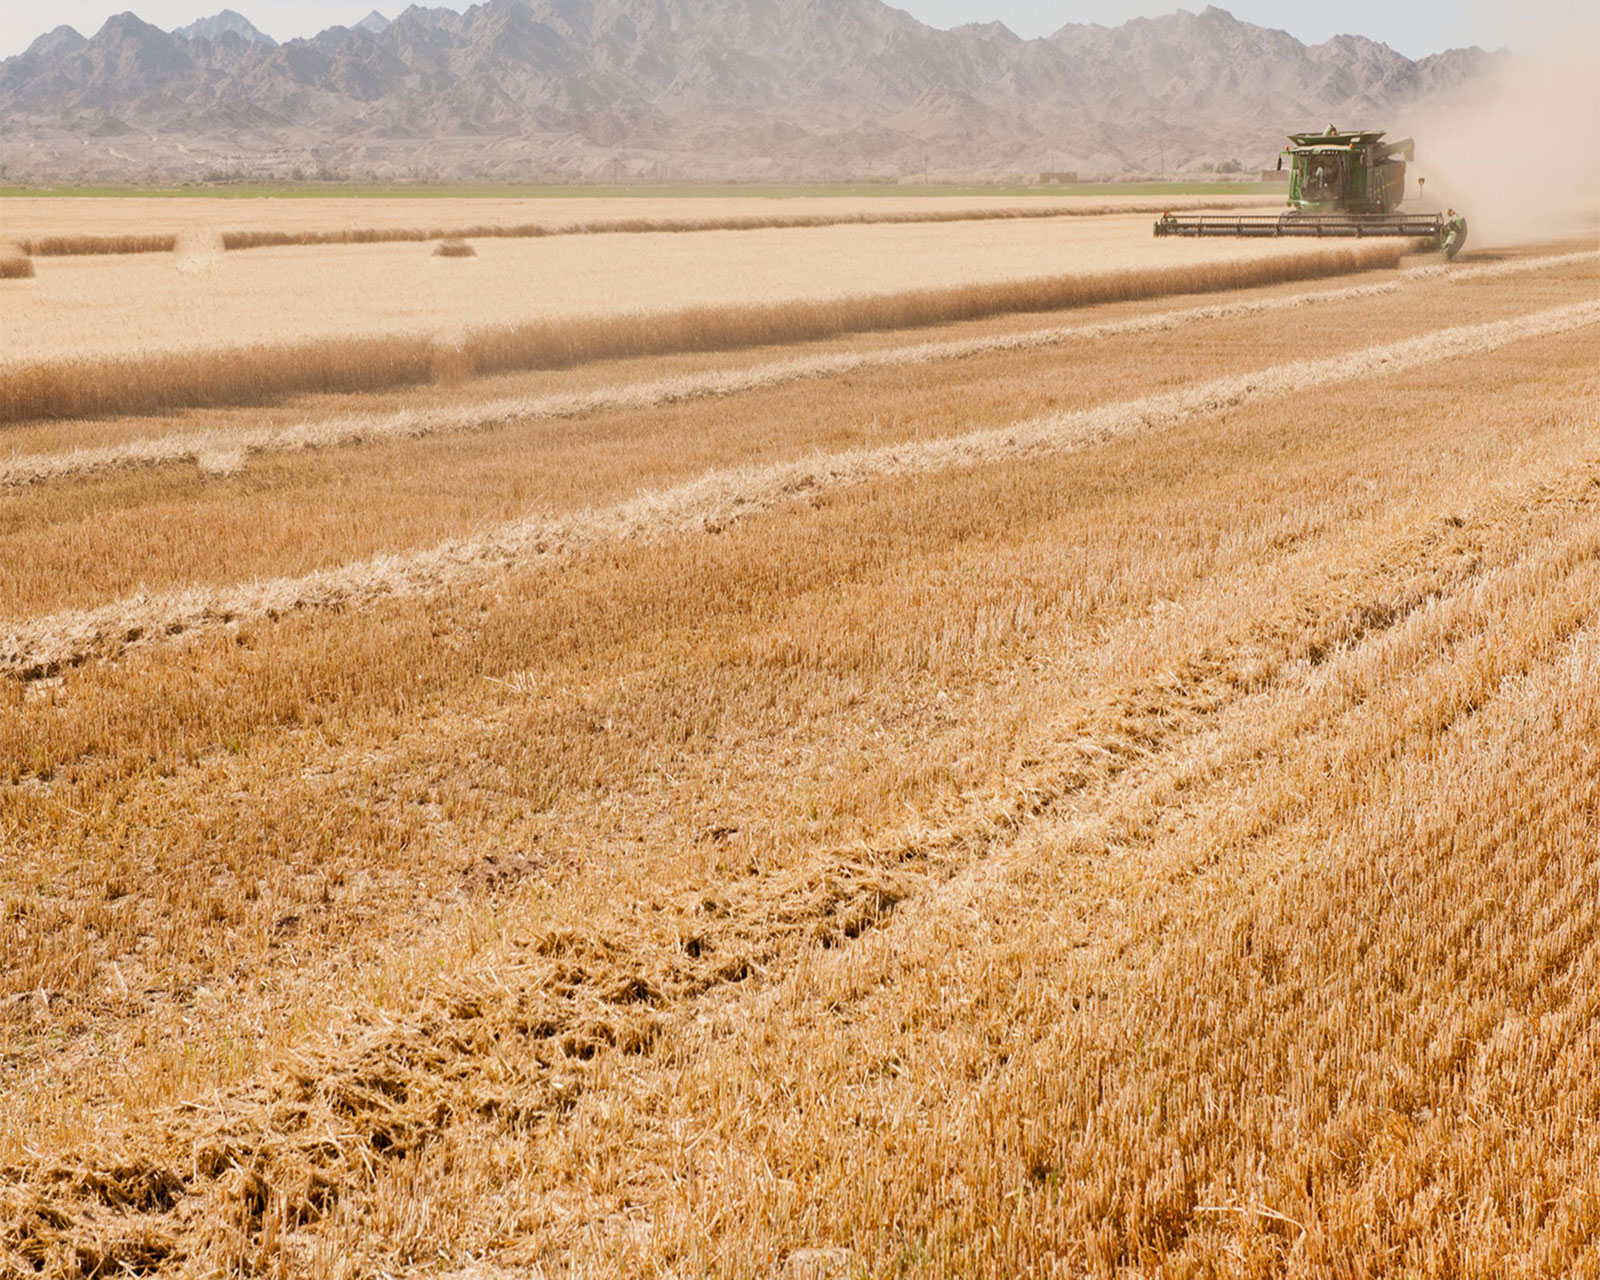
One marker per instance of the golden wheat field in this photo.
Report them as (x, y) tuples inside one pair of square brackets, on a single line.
[(129, 221), (972, 749), (204, 297)]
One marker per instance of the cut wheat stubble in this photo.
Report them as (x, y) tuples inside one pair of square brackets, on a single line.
[(40, 647), (435, 1053), (1313, 502), (154, 378), (224, 452)]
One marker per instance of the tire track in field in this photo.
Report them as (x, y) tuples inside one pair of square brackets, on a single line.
[(222, 452), (40, 647)]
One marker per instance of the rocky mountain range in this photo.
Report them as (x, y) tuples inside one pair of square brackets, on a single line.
[(212, 27), (685, 89)]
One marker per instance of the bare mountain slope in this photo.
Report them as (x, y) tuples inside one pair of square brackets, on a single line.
[(228, 20), (690, 88)]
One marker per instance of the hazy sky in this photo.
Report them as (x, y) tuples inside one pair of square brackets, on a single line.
[(1411, 26)]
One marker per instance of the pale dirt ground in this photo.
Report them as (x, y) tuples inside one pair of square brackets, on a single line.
[(121, 304), (24, 217)]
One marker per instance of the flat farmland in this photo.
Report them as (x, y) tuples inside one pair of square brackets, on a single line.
[(92, 305), (1095, 789), (46, 217)]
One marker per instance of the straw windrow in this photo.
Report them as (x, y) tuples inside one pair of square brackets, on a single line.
[(15, 264), (150, 382), (239, 444), (42, 646)]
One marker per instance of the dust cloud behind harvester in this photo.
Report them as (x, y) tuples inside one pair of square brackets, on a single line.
[(1521, 158)]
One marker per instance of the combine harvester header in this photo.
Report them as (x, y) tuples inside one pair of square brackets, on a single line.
[(1340, 184)]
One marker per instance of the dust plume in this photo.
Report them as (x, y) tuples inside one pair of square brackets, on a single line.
[(1521, 156)]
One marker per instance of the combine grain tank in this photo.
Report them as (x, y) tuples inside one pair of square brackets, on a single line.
[(1340, 184)]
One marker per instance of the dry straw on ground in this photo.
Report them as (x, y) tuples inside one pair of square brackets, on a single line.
[(15, 264), (236, 446), (454, 248), (164, 380), (1070, 864), (242, 443), (74, 246), (41, 647), (84, 543)]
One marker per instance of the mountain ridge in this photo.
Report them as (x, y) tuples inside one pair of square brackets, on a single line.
[(692, 89), (227, 20)]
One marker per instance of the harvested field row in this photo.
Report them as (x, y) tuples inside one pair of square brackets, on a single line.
[(41, 647), (71, 246), (220, 451), (973, 1028), (152, 530), (1227, 925), (164, 380), (164, 717)]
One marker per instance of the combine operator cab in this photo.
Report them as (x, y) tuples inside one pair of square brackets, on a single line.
[(1340, 184), (1353, 173)]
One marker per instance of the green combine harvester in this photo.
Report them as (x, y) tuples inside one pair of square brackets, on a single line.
[(1340, 184)]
